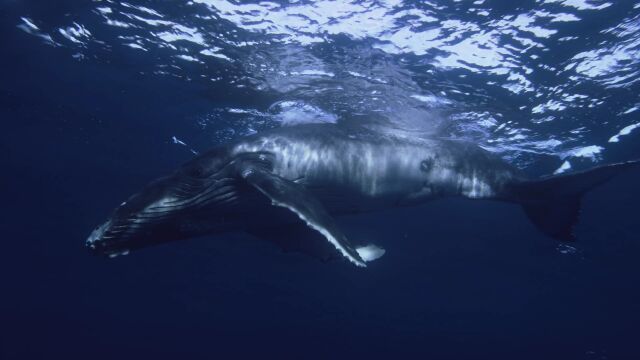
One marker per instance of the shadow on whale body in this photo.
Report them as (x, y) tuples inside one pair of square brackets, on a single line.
[(286, 185)]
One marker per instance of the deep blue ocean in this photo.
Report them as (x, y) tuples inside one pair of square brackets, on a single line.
[(98, 98)]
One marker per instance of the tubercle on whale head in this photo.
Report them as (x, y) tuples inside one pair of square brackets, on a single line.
[(93, 241)]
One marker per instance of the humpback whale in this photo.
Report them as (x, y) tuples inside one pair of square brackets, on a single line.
[(288, 185)]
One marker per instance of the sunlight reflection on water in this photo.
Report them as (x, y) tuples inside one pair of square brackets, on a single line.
[(520, 81)]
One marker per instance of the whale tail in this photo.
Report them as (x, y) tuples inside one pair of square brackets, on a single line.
[(553, 203)]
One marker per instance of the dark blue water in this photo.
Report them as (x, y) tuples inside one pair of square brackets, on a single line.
[(97, 98)]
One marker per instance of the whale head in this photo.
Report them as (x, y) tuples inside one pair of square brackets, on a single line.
[(193, 201)]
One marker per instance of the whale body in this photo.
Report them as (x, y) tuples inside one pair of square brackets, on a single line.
[(288, 184)]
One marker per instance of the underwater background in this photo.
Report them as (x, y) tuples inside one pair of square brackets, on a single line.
[(97, 98)]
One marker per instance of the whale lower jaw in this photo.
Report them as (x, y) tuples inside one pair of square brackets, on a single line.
[(118, 253)]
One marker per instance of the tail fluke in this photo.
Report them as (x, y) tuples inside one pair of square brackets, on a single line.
[(553, 203)]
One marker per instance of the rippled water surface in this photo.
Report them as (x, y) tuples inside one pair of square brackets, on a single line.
[(99, 97), (523, 78)]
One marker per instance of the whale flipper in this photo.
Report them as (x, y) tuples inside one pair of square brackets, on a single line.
[(296, 198), (370, 252), (301, 238)]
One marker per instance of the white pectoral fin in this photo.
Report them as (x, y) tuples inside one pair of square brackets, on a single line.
[(297, 199), (370, 252)]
